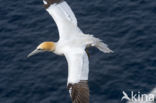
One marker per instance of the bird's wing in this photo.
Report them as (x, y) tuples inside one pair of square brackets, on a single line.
[(63, 16), (77, 65), (78, 75), (79, 92)]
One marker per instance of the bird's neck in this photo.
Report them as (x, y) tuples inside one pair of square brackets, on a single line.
[(58, 49)]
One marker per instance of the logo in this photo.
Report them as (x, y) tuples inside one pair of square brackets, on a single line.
[(138, 97)]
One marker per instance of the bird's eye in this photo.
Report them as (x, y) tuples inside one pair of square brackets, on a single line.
[(39, 49)]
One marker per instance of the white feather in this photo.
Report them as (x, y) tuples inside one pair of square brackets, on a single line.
[(73, 41), (68, 12), (78, 66), (44, 2), (65, 19)]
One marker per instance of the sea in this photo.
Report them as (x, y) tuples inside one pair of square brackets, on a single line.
[(127, 26)]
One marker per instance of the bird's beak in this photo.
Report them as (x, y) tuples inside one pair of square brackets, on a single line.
[(36, 51)]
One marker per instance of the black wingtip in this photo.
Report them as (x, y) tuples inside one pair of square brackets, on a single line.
[(49, 2), (79, 92)]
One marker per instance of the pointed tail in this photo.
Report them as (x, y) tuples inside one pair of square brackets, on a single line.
[(96, 42), (103, 47)]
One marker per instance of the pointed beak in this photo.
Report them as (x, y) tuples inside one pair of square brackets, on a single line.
[(36, 51)]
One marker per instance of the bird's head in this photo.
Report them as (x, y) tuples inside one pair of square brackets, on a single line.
[(45, 46)]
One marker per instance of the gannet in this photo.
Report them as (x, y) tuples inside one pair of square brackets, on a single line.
[(72, 44)]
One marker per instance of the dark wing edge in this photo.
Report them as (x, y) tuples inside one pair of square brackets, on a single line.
[(49, 2), (79, 92)]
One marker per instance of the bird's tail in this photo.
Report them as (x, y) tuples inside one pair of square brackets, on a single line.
[(103, 47), (96, 42)]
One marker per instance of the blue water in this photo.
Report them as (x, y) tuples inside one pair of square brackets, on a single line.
[(127, 26)]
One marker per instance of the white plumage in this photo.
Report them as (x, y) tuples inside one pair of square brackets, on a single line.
[(65, 19), (73, 41), (72, 44)]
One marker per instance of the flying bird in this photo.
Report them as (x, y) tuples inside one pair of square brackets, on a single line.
[(72, 44)]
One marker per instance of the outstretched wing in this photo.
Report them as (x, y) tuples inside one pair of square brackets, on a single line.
[(78, 65), (63, 16), (78, 68)]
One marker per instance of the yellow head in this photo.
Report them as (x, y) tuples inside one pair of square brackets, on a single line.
[(45, 46)]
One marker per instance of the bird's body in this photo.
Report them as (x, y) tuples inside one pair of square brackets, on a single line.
[(72, 44)]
